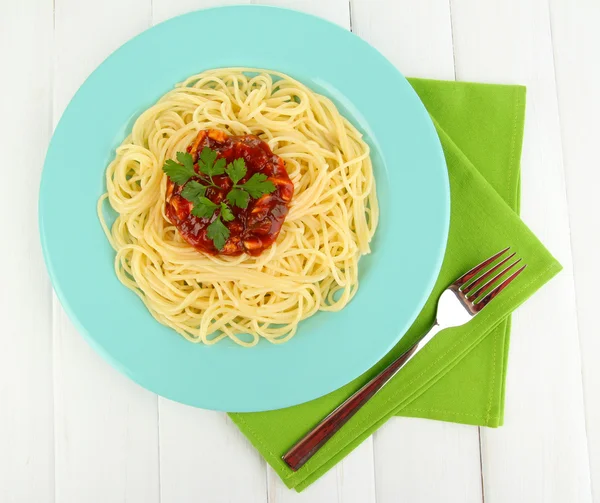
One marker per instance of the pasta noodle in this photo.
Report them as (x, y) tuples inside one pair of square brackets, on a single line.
[(312, 266)]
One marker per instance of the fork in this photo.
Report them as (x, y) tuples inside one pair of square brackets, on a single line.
[(458, 304)]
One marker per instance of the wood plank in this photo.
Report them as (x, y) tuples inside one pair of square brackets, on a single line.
[(351, 480), (163, 9), (26, 392), (336, 11), (417, 38), (106, 426), (576, 41), (414, 36), (203, 456), (540, 455), (417, 458)]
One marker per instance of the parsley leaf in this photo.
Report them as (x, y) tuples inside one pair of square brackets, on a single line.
[(218, 167), (238, 198), (258, 185), (193, 190), (218, 233), (204, 208), (186, 159), (236, 170), (226, 213), (207, 156), (207, 163), (179, 173)]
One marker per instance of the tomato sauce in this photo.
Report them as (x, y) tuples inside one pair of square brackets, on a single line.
[(254, 228)]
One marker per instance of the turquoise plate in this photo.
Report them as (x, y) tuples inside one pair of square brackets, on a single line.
[(330, 349)]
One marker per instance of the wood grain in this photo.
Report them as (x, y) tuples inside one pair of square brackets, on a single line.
[(72, 429), (204, 457), (576, 42), (26, 392), (337, 483), (541, 453), (417, 38), (106, 434)]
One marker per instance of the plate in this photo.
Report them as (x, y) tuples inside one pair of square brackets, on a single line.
[(329, 349)]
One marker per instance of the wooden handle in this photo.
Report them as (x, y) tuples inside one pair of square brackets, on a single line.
[(314, 440)]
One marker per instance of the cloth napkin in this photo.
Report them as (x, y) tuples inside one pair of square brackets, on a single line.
[(460, 375)]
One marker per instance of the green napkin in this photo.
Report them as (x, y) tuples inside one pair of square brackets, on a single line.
[(490, 108), (460, 375)]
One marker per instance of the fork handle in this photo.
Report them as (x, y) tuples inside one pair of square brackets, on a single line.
[(318, 436)]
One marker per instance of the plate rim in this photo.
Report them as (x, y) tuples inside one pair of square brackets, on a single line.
[(119, 365)]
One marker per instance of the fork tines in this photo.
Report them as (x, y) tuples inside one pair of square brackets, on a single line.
[(473, 285)]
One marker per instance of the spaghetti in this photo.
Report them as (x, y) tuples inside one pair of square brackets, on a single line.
[(312, 266)]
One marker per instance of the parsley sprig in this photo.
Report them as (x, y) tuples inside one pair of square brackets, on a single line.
[(196, 184)]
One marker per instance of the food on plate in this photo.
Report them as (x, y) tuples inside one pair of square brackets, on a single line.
[(243, 201), (228, 194)]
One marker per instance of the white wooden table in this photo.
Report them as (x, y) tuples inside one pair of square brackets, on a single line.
[(73, 430)]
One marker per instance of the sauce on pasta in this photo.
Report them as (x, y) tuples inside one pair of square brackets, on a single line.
[(255, 227)]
